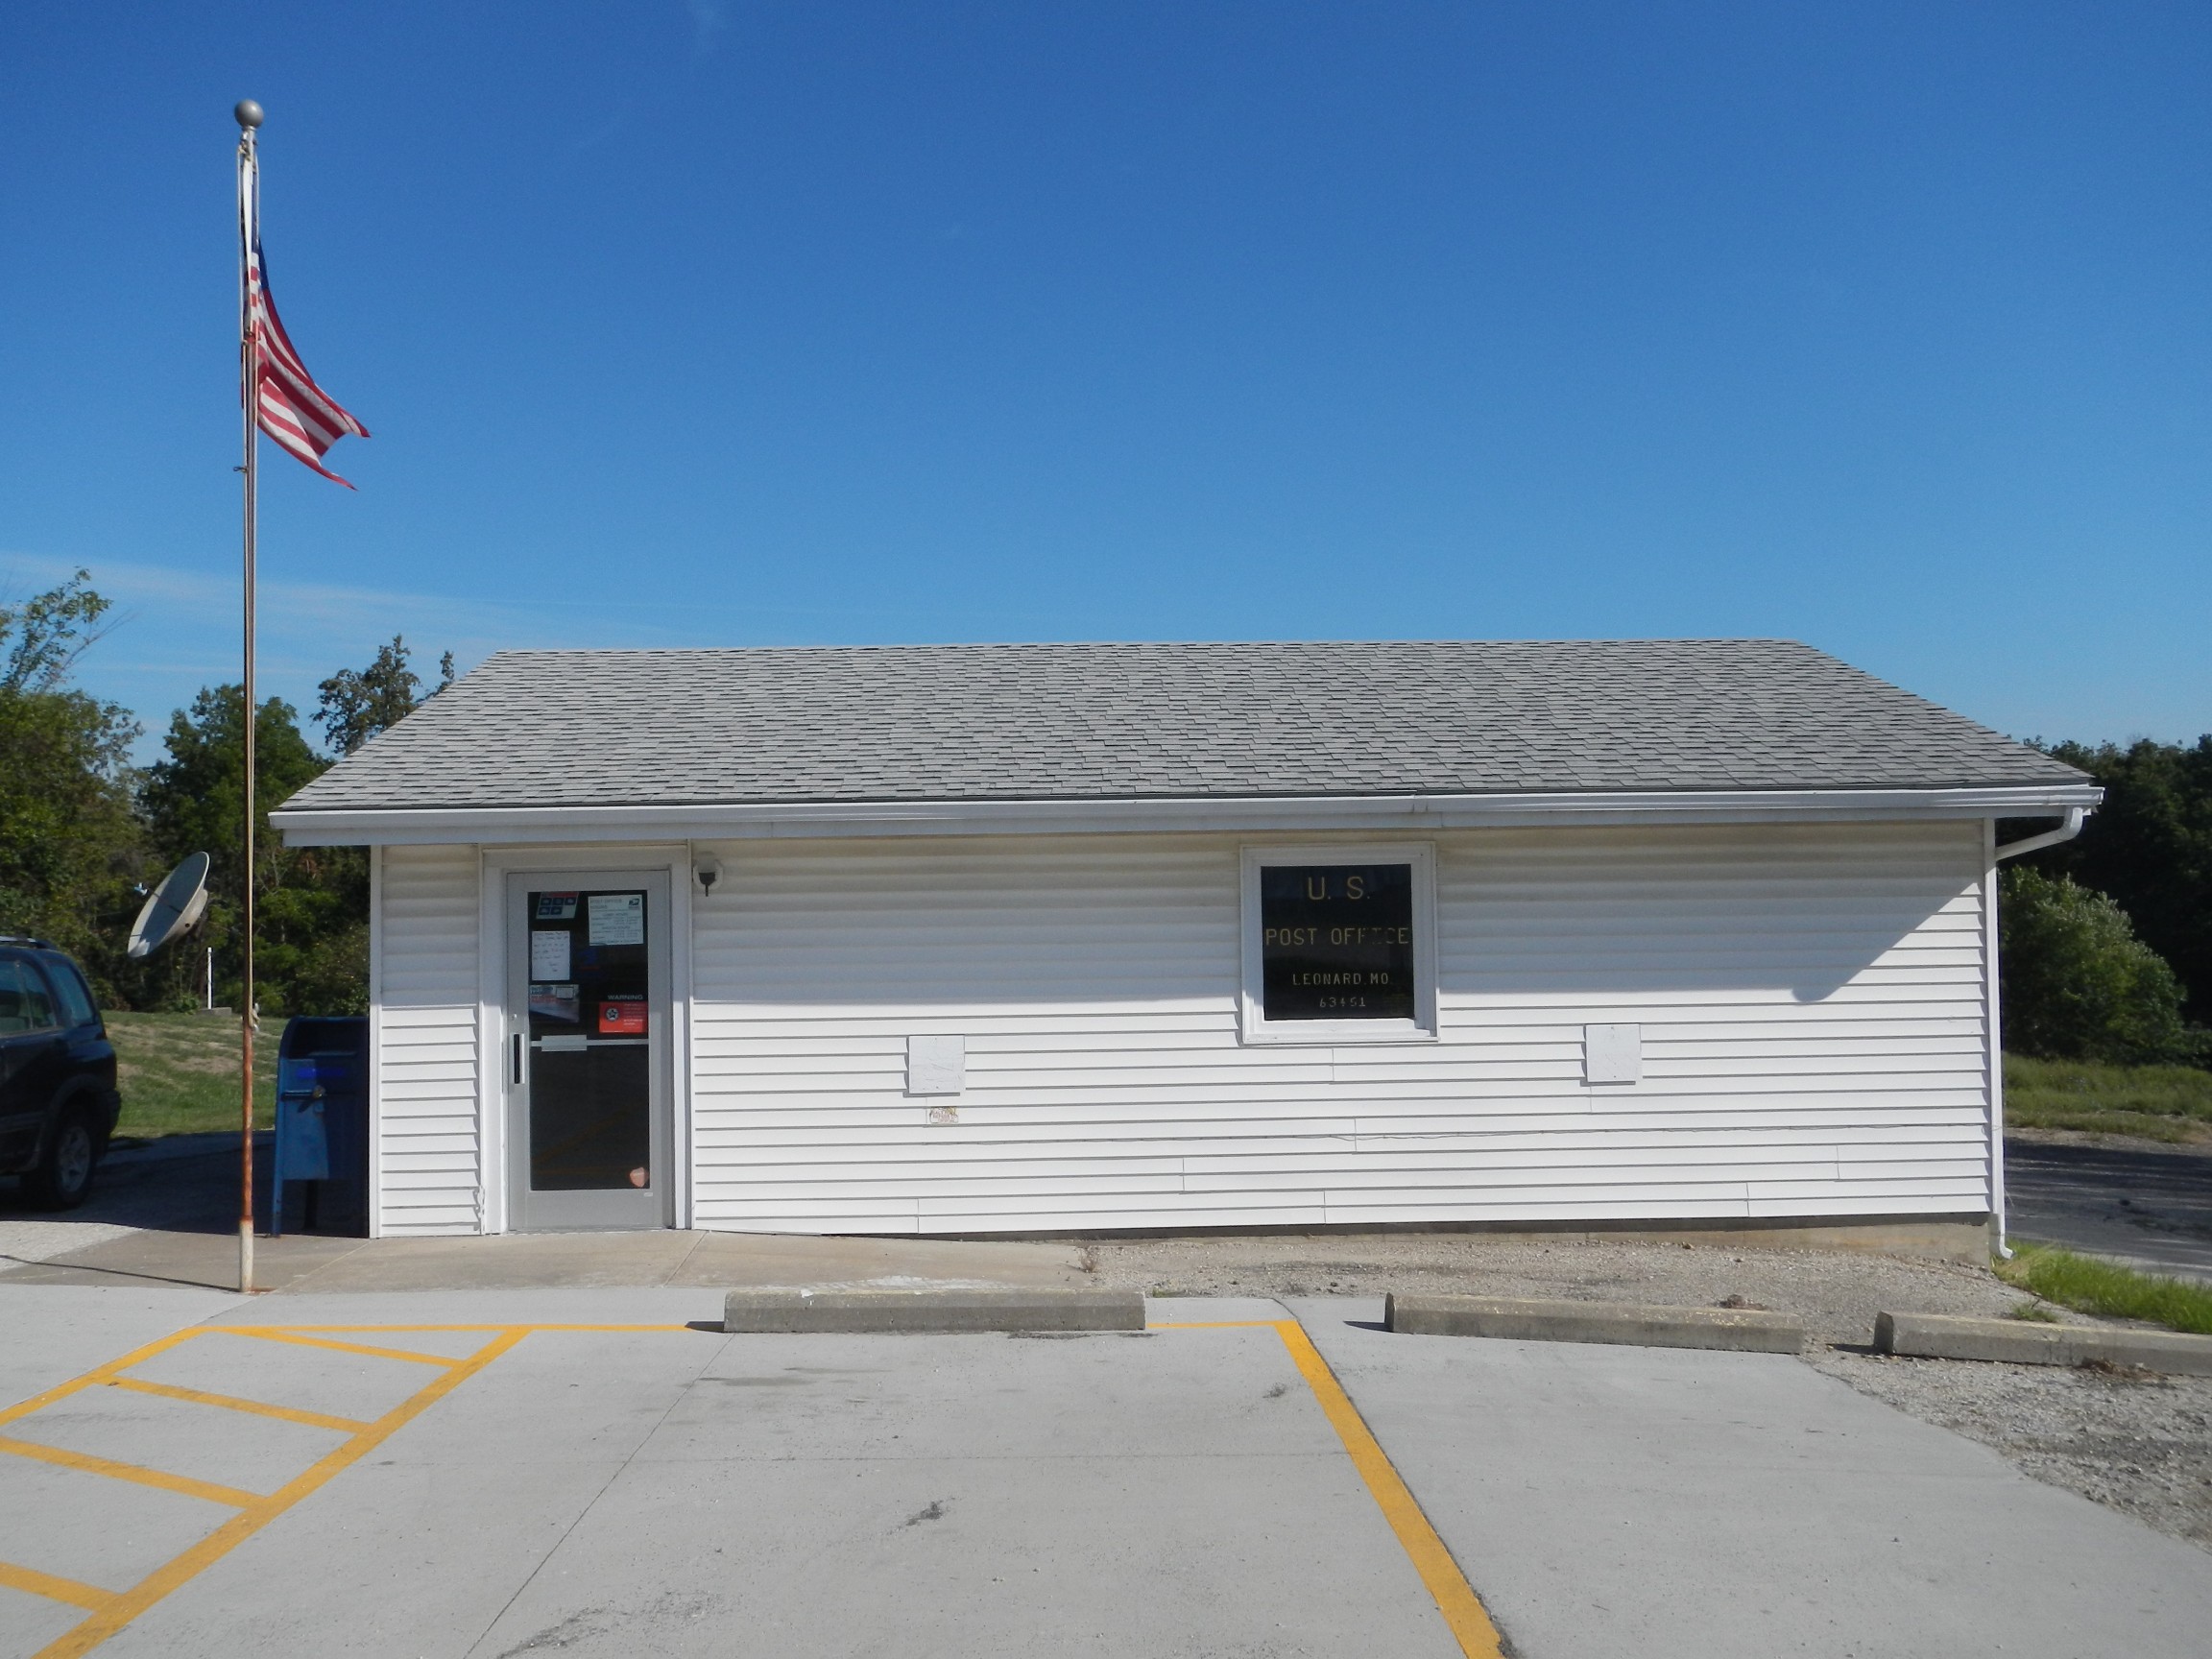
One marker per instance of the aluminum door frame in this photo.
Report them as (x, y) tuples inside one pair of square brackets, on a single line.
[(532, 1211)]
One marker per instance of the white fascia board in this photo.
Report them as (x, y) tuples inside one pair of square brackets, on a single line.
[(525, 825)]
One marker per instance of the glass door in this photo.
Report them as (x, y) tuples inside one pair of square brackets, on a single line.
[(588, 1120)]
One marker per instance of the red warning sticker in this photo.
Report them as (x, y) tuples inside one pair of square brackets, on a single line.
[(622, 1019)]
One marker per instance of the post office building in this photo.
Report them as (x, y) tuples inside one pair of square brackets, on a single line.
[(1085, 938)]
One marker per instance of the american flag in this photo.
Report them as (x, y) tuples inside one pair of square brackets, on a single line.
[(301, 417)]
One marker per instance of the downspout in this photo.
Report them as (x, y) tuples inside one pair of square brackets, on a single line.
[(2066, 831)]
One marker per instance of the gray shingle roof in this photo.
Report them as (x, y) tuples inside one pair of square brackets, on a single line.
[(1077, 722)]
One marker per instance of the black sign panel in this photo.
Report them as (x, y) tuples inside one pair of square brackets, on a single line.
[(1336, 941)]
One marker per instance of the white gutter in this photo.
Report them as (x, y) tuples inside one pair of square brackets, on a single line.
[(2065, 832), (712, 822)]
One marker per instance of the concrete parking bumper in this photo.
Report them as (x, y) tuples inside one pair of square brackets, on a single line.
[(1741, 1330), (932, 1311), (1948, 1337)]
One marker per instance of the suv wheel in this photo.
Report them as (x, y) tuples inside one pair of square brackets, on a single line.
[(63, 1177)]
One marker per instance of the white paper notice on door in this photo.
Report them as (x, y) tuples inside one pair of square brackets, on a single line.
[(548, 954), (618, 918)]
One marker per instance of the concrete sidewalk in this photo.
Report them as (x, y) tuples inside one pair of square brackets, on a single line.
[(303, 1264), (165, 1214)]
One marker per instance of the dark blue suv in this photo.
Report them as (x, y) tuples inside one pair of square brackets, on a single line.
[(58, 1096)]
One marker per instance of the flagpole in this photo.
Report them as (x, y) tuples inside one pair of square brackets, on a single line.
[(278, 395), (248, 116)]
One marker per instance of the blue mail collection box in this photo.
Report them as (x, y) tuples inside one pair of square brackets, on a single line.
[(322, 1139)]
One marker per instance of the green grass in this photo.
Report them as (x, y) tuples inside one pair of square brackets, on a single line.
[(179, 1072), (2153, 1102), (2106, 1287)]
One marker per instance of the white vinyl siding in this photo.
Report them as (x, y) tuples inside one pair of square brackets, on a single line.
[(1811, 1000), (426, 1140)]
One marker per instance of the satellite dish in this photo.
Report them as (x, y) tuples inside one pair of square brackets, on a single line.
[(171, 908)]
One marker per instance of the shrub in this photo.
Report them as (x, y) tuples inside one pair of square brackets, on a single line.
[(2076, 982)]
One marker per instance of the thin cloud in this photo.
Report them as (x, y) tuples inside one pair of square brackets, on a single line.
[(709, 19)]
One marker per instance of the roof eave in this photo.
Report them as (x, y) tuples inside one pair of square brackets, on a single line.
[(522, 825)]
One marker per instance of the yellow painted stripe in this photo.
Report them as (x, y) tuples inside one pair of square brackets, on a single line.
[(86, 1463), (616, 1328), (53, 1588), (270, 1330), (283, 1334), (132, 1602), (1464, 1614), (233, 1403), (97, 1375)]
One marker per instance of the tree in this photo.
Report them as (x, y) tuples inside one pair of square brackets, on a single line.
[(81, 829), (2149, 847), (308, 899), (71, 848), (358, 705), (42, 638), (2076, 984)]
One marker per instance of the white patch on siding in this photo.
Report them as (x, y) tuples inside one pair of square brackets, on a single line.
[(1612, 1053), (426, 1134), (1810, 998), (936, 1064)]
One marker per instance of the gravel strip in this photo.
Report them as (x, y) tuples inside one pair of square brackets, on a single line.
[(2140, 1443)]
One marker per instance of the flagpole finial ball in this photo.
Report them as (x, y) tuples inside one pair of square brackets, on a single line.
[(249, 114)]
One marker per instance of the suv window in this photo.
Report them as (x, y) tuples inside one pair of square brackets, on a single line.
[(70, 987), (24, 1002)]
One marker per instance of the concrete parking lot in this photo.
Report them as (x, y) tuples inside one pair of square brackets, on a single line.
[(480, 1473)]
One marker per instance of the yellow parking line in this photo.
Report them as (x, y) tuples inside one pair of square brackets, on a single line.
[(111, 1610), (266, 1330), (86, 1463), (1461, 1609), (260, 1511), (285, 1334), (233, 1403), (1464, 1614), (54, 1588), (98, 1374), (279, 1330)]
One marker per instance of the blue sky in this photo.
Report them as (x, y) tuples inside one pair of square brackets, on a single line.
[(1882, 326)]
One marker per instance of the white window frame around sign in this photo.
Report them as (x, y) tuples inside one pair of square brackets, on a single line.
[(1252, 1007)]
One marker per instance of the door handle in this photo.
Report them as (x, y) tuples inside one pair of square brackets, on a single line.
[(516, 1063)]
